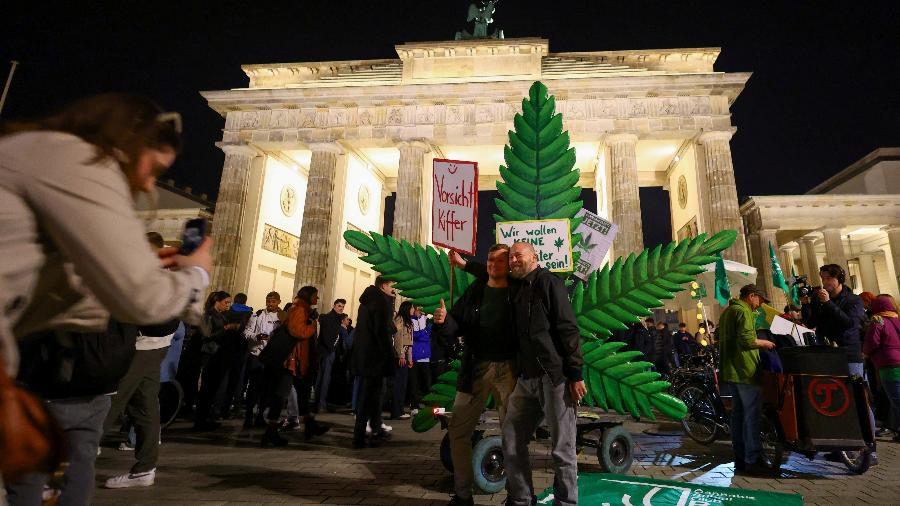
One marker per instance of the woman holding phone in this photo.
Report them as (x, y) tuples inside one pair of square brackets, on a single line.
[(76, 262)]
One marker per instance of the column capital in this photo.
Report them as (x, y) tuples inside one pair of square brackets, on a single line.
[(715, 135), (327, 147), (891, 228), (789, 246), (808, 239), (421, 144), (621, 137), (240, 149)]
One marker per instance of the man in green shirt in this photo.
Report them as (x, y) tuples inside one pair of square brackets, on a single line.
[(739, 372)]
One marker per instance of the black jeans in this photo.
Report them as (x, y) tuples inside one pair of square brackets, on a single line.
[(400, 381), (369, 407), (419, 382), (214, 373), (279, 385), (256, 386)]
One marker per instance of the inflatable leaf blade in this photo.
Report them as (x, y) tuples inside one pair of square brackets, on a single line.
[(422, 273), (614, 298)]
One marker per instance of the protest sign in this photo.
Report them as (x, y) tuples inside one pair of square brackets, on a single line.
[(454, 209), (550, 238), (597, 237)]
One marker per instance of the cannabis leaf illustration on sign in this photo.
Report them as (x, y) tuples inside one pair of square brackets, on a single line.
[(558, 243)]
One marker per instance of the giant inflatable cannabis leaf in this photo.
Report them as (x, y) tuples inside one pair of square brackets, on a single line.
[(422, 273), (539, 181)]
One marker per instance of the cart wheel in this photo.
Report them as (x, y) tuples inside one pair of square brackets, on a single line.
[(858, 462), (700, 422), (616, 450), (446, 458), (487, 463), (771, 444)]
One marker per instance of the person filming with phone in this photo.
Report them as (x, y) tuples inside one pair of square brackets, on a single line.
[(76, 264)]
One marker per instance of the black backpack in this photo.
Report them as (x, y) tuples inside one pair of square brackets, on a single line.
[(60, 364)]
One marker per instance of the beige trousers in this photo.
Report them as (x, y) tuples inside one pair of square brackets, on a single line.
[(488, 378)]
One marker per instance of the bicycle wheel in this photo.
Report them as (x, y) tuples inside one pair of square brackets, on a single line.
[(858, 462), (700, 422)]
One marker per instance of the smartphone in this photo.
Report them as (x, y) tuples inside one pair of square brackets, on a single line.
[(194, 233)]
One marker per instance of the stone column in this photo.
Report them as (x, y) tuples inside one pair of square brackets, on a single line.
[(834, 247), (893, 233), (808, 257), (315, 234), (226, 230), (724, 210), (868, 277), (625, 205), (787, 258), (764, 278), (408, 206)]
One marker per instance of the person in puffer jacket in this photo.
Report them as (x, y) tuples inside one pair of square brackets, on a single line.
[(882, 346), (420, 376)]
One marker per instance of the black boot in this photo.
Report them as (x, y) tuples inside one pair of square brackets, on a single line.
[(272, 438), (312, 429)]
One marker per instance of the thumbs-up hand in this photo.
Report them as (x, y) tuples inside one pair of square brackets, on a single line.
[(440, 313)]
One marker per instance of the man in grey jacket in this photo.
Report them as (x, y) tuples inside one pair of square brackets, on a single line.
[(550, 383)]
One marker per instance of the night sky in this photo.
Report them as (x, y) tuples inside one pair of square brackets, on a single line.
[(824, 90)]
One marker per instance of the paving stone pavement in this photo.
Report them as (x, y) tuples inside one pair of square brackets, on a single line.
[(227, 467)]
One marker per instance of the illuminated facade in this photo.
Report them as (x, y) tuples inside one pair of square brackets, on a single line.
[(312, 149), (852, 219)]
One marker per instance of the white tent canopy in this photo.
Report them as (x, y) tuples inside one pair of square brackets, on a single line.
[(738, 275)]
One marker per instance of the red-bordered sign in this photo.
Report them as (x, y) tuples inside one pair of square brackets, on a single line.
[(828, 396), (454, 208)]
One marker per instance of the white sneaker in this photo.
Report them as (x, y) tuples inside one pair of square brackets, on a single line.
[(404, 416), (125, 447), (384, 428), (132, 480), (414, 412)]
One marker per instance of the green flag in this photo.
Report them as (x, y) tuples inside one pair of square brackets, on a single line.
[(777, 276), (794, 295), (722, 287)]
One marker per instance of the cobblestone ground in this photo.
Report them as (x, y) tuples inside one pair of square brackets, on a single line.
[(227, 467)]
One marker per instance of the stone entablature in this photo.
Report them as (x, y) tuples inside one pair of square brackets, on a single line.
[(478, 61), (812, 212), (463, 119)]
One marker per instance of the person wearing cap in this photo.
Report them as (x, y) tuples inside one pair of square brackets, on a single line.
[(739, 371)]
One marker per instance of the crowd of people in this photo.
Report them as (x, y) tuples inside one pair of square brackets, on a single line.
[(97, 317)]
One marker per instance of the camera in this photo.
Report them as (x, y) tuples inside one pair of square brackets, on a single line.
[(802, 284)]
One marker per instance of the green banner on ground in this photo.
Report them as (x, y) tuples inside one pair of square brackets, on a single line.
[(622, 490)]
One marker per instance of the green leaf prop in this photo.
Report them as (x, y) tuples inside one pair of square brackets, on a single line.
[(422, 273), (615, 297), (539, 181), (442, 394)]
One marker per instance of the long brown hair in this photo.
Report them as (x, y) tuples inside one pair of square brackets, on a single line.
[(119, 125)]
